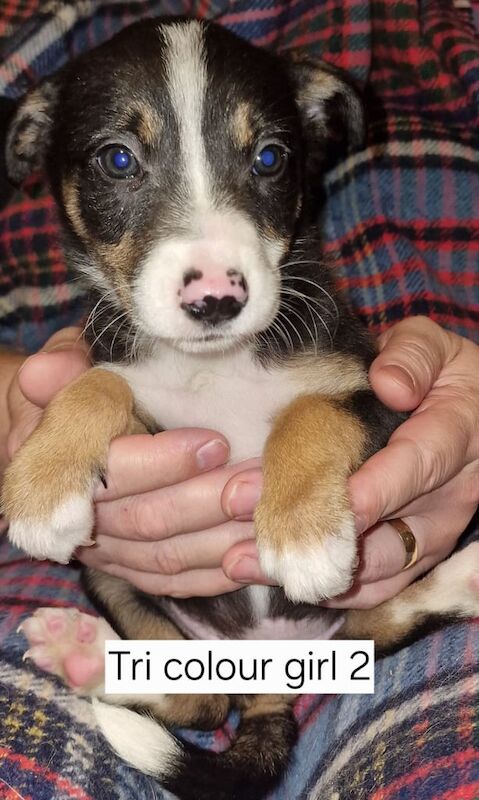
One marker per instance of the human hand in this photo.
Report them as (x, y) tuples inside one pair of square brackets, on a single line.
[(428, 474), (159, 524)]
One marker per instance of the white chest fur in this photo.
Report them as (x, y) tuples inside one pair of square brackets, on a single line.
[(232, 394)]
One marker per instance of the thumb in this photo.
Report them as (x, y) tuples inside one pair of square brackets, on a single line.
[(63, 358), (413, 353)]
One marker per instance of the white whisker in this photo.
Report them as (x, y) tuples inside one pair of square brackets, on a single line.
[(307, 301), (103, 331)]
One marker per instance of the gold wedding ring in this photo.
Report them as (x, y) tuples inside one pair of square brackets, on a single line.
[(408, 539)]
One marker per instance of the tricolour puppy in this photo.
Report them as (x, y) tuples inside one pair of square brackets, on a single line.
[(185, 164)]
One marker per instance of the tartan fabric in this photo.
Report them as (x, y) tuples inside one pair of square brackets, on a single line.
[(401, 221), (400, 215)]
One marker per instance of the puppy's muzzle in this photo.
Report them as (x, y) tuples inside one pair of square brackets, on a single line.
[(213, 297)]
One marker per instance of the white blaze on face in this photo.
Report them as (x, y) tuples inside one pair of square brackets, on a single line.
[(187, 82), (214, 239)]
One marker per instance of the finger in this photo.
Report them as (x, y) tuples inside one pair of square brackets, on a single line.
[(241, 564), (191, 551), (382, 552), (436, 520), (197, 583), (193, 505), (63, 359), (423, 453), (242, 492), (40, 377), (370, 595), (142, 463), (413, 353), (24, 418), (382, 556)]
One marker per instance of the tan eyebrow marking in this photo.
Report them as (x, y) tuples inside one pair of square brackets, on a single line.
[(241, 126)]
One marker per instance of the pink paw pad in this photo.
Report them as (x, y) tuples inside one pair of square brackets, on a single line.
[(66, 643)]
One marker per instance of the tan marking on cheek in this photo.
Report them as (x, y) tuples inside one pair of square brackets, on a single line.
[(71, 201), (120, 261), (273, 236), (241, 126)]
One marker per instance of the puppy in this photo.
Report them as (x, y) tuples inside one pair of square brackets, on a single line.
[(185, 164)]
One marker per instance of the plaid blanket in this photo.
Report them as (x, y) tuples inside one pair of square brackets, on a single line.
[(401, 220)]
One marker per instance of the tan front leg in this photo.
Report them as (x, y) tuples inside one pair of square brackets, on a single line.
[(48, 488), (304, 525)]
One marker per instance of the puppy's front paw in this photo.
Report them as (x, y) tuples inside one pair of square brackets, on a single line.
[(47, 498), (311, 553), (57, 535)]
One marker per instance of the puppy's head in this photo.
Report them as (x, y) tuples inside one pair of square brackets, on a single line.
[(179, 156)]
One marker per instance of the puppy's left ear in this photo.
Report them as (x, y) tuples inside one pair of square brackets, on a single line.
[(331, 108)]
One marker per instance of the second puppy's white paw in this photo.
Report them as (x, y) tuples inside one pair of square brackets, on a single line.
[(58, 535)]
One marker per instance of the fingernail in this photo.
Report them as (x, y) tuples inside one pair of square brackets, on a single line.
[(401, 376), (212, 454), (245, 570), (243, 499)]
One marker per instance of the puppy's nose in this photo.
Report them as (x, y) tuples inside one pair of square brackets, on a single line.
[(213, 297)]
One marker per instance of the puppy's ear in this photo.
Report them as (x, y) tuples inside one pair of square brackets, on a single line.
[(331, 108), (29, 131)]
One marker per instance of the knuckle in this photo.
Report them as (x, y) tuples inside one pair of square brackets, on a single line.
[(142, 521), (429, 463), (376, 562), (149, 519), (168, 559), (135, 514), (173, 586)]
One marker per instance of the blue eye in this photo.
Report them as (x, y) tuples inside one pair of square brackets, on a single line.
[(117, 161), (270, 161)]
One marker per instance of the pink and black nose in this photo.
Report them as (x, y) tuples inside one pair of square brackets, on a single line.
[(213, 297)]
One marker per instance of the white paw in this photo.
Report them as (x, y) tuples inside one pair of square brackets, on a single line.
[(455, 584), (57, 536), (67, 643), (316, 570)]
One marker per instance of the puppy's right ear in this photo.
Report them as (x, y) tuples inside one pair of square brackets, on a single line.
[(29, 131)]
